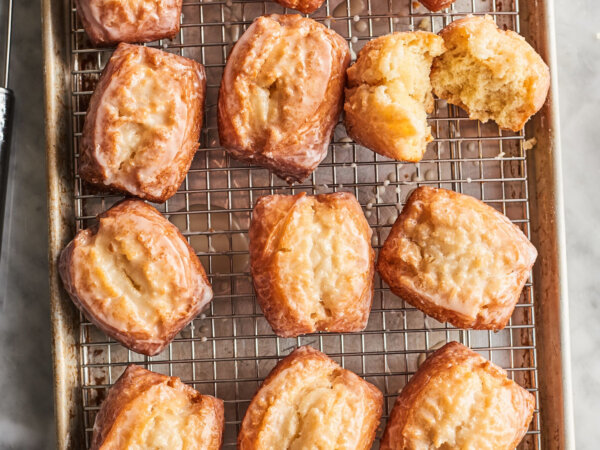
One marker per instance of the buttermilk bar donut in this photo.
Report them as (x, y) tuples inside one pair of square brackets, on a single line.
[(492, 74), (282, 93), (146, 410), (312, 263), (458, 399), (135, 277), (456, 259), (307, 402), (109, 22), (143, 123)]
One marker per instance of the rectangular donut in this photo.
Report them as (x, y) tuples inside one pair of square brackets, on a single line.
[(456, 259)]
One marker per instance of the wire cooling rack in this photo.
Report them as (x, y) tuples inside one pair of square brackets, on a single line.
[(229, 349)]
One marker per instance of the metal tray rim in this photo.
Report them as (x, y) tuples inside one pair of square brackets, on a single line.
[(569, 426)]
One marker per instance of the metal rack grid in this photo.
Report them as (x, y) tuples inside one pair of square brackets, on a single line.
[(230, 348)]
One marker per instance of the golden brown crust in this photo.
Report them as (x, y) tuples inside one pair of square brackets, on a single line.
[(436, 5), (109, 22), (492, 74), (458, 399), (312, 263), (389, 94), (135, 277), (309, 401), (456, 259), (143, 123), (304, 6), (146, 408), (282, 93)]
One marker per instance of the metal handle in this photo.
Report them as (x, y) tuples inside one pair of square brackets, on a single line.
[(7, 101)]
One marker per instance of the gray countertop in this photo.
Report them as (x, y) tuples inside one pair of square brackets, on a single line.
[(26, 403), (578, 45)]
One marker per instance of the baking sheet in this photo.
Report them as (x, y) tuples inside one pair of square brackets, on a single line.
[(229, 349)]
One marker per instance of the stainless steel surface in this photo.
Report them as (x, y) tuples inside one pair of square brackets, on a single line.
[(6, 118), (8, 10), (230, 348), (7, 101)]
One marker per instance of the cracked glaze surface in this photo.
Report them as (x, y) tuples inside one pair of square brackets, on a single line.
[(308, 401), (312, 262), (143, 122), (135, 276), (282, 93)]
